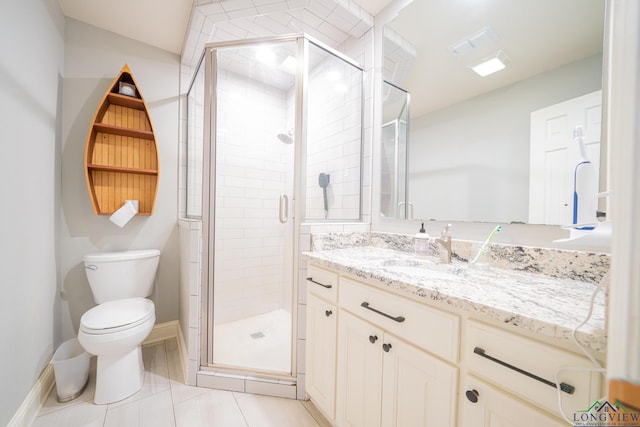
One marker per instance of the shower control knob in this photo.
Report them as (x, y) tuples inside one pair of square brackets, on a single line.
[(373, 339), (472, 395), (328, 313), (386, 347)]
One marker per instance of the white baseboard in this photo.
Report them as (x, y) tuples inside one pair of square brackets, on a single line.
[(28, 411), (184, 355), (162, 332), (167, 330)]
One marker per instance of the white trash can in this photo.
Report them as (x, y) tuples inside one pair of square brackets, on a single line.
[(71, 370)]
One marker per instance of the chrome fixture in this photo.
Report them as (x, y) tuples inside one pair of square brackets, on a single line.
[(444, 245), (287, 138)]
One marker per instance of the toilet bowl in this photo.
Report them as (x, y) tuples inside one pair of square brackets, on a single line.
[(115, 329)]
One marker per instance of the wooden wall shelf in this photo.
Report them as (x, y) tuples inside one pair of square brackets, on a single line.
[(121, 155)]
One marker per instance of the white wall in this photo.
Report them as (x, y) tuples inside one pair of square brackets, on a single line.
[(93, 57), (31, 68)]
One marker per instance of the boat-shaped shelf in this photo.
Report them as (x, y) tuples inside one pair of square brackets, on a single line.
[(121, 156)]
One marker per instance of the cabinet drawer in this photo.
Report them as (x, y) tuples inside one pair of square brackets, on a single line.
[(424, 327), (483, 405), (528, 368), (323, 283)]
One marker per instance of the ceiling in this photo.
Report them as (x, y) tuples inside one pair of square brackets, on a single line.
[(538, 35), (159, 23)]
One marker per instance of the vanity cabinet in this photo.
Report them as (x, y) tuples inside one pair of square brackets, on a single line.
[(382, 379), (401, 362)]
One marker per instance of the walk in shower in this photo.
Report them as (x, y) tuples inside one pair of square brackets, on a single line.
[(275, 140)]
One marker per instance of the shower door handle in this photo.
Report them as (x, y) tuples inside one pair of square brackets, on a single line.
[(283, 209)]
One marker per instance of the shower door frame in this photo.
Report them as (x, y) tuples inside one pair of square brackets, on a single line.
[(297, 205), (208, 194)]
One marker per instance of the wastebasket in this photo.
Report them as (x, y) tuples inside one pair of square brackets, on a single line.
[(71, 370)]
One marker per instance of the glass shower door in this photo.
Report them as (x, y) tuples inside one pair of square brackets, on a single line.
[(252, 298)]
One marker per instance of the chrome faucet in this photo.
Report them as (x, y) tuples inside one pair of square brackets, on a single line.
[(444, 245)]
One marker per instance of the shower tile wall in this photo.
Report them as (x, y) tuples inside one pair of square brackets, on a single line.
[(190, 233), (334, 139), (251, 168)]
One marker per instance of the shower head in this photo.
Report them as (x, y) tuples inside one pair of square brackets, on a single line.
[(323, 182), (287, 138)]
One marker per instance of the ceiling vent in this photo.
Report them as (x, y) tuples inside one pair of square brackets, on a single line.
[(474, 41)]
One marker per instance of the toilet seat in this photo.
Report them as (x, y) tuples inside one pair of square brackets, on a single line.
[(116, 316)]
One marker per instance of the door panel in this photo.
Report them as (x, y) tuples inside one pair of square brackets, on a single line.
[(253, 224), (419, 390), (554, 155), (359, 372)]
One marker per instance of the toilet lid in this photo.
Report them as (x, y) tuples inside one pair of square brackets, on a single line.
[(113, 316)]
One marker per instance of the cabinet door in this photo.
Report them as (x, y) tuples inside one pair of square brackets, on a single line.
[(359, 373), (419, 390), (321, 353), (486, 406)]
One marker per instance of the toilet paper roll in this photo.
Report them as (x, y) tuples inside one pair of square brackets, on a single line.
[(125, 213)]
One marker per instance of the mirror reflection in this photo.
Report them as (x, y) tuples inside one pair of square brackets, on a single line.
[(394, 153), (470, 141)]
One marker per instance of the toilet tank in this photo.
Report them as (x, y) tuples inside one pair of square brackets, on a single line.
[(119, 275)]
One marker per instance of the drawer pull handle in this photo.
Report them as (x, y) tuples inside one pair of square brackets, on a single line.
[(318, 283), (386, 347), (567, 388), (398, 319), (373, 339), (328, 313)]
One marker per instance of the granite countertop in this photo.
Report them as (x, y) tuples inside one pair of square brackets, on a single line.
[(546, 305)]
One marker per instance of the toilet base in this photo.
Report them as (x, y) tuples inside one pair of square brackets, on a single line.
[(118, 376)]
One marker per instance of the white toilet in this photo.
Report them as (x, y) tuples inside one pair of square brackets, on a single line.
[(123, 318)]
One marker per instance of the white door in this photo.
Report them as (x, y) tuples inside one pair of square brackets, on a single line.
[(418, 389), (359, 373), (554, 155), (321, 353)]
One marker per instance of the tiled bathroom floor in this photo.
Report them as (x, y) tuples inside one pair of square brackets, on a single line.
[(165, 400)]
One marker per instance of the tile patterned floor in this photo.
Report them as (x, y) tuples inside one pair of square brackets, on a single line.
[(165, 401)]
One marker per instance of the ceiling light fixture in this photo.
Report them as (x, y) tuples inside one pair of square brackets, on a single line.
[(492, 64)]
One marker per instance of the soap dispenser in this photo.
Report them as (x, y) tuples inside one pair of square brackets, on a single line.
[(421, 245), (444, 245)]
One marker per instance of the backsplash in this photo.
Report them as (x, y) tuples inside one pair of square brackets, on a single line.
[(584, 266)]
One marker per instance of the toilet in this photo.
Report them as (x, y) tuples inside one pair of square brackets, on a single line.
[(115, 328)]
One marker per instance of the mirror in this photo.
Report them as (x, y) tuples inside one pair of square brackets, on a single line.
[(468, 151), (393, 153)]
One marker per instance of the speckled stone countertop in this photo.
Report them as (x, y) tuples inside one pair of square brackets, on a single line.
[(546, 305)]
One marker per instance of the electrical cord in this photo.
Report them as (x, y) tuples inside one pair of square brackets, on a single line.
[(598, 367)]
